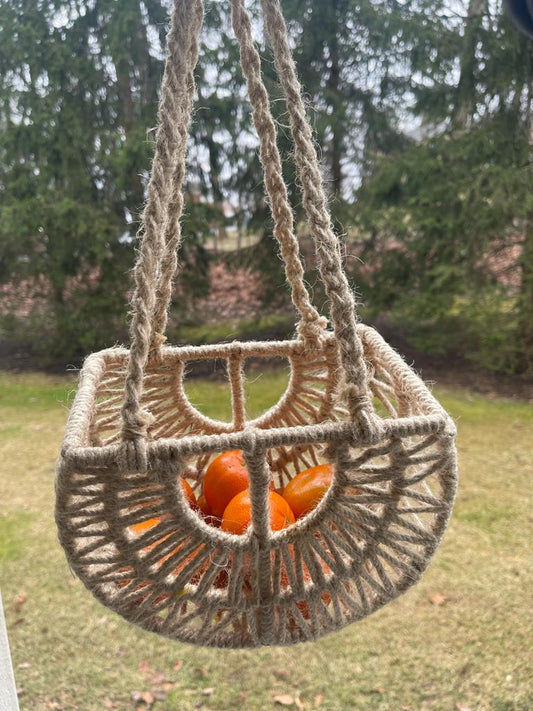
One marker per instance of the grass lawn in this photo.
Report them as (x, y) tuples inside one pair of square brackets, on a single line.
[(458, 640)]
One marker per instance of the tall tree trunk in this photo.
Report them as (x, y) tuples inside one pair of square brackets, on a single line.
[(335, 101), (525, 301), (465, 103)]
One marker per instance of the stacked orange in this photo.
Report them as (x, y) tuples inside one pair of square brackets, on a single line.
[(226, 494), (225, 497), (225, 502)]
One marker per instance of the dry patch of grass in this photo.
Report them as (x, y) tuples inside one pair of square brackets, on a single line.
[(459, 639)]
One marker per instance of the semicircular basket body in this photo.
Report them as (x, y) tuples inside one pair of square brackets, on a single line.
[(133, 435)]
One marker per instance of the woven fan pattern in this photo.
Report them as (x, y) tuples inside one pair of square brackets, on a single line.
[(367, 541)]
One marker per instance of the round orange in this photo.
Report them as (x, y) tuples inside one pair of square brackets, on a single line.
[(205, 510), (203, 506), (225, 477), (238, 513), (307, 488)]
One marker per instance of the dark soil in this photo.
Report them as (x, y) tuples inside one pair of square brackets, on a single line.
[(454, 370), (235, 295)]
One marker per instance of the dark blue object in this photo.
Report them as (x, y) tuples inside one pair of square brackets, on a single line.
[(521, 12)]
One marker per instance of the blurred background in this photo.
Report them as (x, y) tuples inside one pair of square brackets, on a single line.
[(423, 114)]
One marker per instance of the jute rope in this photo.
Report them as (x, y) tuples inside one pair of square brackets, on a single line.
[(174, 113), (180, 125), (311, 325), (158, 258), (342, 303), (133, 434)]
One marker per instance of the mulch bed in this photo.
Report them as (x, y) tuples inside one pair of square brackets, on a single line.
[(236, 295)]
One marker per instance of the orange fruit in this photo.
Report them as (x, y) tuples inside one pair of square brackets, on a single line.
[(144, 584), (149, 523), (225, 477), (143, 526), (205, 510), (188, 493), (307, 488), (203, 506), (237, 515)]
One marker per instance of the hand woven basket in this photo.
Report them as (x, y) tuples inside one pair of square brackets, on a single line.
[(351, 401)]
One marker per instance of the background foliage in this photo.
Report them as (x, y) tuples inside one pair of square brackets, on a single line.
[(423, 112)]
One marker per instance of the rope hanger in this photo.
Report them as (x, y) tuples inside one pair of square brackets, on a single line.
[(158, 261), (133, 435)]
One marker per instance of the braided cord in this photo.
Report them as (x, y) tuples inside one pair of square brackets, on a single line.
[(315, 204), (312, 324), (173, 121), (173, 234), (161, 231)]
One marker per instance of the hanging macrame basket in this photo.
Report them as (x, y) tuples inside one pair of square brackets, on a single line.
[(351, 401)]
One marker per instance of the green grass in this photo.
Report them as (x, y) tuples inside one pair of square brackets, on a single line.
[(13, 535), (205, 333), (69, 652), (35, 392), (213, 397)]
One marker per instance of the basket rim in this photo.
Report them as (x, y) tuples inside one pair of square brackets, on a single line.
[(435, 421), (97, 363), (170, 448), (244, 349)]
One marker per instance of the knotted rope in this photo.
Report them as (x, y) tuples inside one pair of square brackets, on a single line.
[(167, 173), (342, 303)]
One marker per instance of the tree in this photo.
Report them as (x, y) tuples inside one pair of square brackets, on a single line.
[(71, 98), (78, 95), (431, 111), (440, 214), (352, 72), (353, 83)]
